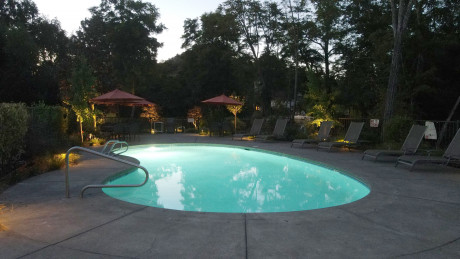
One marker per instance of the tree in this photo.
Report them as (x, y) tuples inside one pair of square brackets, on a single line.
[(293, 29), (247, 14), (363, 61), (13, 129), (196, 114), (211, 65), (235, 109), (325, 32), (118, 41), (400, 17), (80, 91), (271, 19), (152, 113), (33, 54)]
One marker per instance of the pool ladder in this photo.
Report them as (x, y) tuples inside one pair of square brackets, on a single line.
[(114, 145), (108, 153)]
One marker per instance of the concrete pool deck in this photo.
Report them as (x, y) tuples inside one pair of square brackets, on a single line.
[(407, 214)]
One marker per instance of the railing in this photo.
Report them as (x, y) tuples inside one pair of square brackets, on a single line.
[(113, 143), (100, 185)]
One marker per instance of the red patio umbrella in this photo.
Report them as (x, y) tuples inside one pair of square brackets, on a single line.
[(117, 97), (142, 102), (223, 100)]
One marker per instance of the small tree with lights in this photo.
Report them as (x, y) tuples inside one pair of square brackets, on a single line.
[(196, 114), (152, 113), (79, 92), (235, 109)]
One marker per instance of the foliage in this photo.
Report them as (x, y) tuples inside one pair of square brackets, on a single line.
[(48, 127), (34, 55), (13, 127), (152, 113), (396, 129), (235, 109), (400, 17), (80, 91), (319, 113), (196, 114), (119, 44), (36, 166), (96, 141), (330, 54)]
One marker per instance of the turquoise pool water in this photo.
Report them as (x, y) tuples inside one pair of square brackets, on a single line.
[(215, 178)]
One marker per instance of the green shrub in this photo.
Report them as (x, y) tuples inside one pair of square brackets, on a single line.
[(13, 127), (47, 130), (396, 129), (293, 131)]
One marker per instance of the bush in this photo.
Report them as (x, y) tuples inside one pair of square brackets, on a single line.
[(293, 131), (47, 130), (13, 127), (396, 129), (36, 166)]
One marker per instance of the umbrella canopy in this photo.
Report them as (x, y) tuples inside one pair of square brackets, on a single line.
[(117, 97), (143, 102), (222, 100)]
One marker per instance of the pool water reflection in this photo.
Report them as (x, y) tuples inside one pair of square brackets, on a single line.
[(215, 178)]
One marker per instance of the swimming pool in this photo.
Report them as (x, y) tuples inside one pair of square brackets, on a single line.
[(219, 178)]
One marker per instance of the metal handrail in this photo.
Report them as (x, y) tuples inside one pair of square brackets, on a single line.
[(100, 185), (114, 142)]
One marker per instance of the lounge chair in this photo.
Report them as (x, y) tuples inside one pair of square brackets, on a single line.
[(452, 154), (278, 131), (351, 138), (255, 129), (409, 146), (323, 134)]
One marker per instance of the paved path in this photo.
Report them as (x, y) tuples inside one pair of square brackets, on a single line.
[(407, 214)]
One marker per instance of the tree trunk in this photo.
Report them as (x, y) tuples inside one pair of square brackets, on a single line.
[(326, 65), (400, 19), (420, 58), (295, 83), (81, 131), (296, 60), (393, 79)]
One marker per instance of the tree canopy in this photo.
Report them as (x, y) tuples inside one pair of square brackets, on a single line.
[(334, 57)]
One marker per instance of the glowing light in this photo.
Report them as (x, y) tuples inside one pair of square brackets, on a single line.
[(73, 158), (3, 227)]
